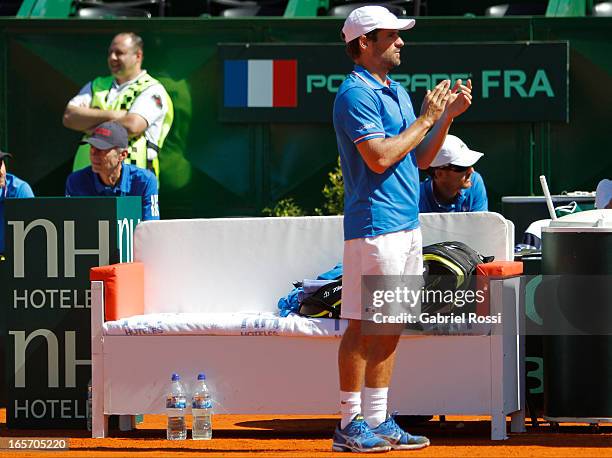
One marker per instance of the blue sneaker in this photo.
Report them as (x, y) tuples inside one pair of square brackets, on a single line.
[(357, 437), (397, 437)]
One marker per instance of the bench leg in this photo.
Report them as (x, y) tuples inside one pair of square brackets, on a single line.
[(498, 427), (127, 422), (517, 424), (99, 426)]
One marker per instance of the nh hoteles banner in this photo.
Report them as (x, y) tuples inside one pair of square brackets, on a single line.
[(51, 243), (511, 81)]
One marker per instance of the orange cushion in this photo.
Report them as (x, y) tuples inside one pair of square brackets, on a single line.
[(500, 269), (123, 289), (495, 269)]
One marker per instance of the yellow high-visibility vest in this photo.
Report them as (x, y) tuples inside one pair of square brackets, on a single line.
[(137, 146)]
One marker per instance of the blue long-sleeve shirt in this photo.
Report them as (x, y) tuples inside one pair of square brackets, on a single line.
[(134, 181), (15, 188)]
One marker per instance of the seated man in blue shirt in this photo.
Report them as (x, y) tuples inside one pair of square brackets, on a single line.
[(109, 176), (11, 187), (453, 185)]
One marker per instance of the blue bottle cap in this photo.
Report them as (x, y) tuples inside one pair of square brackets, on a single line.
[(201, 376), (175, 377)]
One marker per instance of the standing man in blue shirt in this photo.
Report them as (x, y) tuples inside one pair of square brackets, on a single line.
[(11, 187), (453, 185), (109, 176), (381, 144)]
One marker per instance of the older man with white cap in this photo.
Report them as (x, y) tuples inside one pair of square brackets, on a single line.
[(382, 144), (453, 185)]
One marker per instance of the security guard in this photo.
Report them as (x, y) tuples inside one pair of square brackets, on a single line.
[(131, 97), (108, 175)]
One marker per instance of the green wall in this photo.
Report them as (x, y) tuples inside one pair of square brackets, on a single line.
[(214, 169)]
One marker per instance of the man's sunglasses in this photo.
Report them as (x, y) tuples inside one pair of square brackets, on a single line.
[(456, 168)]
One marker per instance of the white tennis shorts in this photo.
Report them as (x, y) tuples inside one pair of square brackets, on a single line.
[(396, 253)]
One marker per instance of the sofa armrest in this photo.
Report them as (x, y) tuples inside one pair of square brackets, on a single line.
[(123, 289), (496, 270), (500, 269)]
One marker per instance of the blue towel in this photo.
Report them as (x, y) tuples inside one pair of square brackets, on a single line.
[(332, 274), (291, 302)]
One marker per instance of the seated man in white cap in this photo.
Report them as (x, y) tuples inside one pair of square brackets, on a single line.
[(453, 185)]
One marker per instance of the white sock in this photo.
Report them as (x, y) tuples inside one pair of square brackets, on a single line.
[(350, 405), (375, 405)]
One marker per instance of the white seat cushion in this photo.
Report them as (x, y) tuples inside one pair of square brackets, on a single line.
[(225, 324)]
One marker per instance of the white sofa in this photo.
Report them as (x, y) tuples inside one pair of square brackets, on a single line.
[(213, 266)]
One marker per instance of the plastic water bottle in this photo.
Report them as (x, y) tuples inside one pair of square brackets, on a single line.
[(176, 403), (89, 406), (201, 410)]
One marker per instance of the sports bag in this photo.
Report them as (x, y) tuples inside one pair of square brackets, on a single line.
[(324, 303), (449, 266)]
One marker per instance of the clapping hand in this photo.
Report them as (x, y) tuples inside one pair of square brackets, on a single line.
[(460, 99), (435, 101)]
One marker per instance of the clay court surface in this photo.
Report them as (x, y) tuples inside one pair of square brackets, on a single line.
[(309, 436)]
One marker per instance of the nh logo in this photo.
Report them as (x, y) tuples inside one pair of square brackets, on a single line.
[(21, 344), (21, 231), (125, 229)]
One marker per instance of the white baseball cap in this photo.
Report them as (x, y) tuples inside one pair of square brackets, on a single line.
[(367, 18), (455, 152)]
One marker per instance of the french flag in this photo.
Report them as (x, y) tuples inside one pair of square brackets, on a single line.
[(260, 83)]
